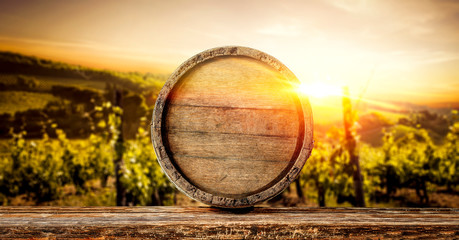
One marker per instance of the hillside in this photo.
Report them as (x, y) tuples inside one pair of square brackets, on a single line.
[(31, 83), (47, 70), (37, 95)]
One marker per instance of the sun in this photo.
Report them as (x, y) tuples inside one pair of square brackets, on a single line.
[(319, 90)]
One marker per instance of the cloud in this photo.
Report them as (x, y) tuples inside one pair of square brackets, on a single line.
[(280, 30), (350, 5)]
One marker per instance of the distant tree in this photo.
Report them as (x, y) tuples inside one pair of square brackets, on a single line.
[(25, 82)]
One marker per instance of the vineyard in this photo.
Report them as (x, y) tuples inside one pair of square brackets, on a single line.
[(408, 159), (71, 137), (40, 170)]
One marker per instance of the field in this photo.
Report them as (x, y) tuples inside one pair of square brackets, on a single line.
[(18, 101)]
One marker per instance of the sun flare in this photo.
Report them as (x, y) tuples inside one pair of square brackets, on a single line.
[(319, 90)]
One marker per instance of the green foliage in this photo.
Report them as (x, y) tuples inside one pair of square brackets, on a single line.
[(449, 167), (143, 177), (40, 169), (32, 168), (408, 158), (329, 173)]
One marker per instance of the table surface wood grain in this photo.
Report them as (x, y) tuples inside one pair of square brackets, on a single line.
[(204, 222)]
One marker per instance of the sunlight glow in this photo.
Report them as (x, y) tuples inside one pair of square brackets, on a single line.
[(319, 90)]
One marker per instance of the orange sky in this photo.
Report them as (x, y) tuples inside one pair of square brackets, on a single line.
[(409, 49)]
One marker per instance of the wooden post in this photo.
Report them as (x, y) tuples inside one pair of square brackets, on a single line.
[(118, 161), (299, 190), (349, 134)]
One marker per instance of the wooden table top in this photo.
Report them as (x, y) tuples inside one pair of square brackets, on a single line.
[(203, 222)]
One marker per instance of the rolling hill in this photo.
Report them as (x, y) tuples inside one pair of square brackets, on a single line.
[(61, 73)]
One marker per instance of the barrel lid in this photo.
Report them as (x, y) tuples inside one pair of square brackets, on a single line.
[(229, 128)]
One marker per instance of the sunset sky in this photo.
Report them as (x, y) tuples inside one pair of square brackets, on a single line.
[(409, 49)]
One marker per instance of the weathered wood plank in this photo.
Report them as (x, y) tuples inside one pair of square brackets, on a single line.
[(259, 223), (222, 175), (265, 122), (239, 82), (222, 145), (231, 165)]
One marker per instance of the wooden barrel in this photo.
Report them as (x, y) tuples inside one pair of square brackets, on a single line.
[(229, 128)]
